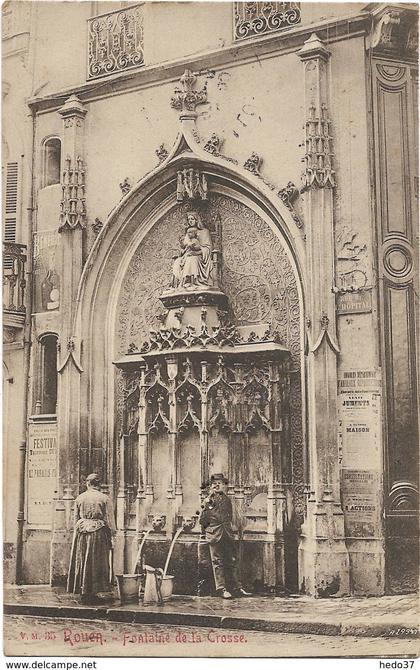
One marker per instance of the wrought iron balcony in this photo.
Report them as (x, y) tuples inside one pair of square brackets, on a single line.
[(115, 42), (14, 284), (258, 18)]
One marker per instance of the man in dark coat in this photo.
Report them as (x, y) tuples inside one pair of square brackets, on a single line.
[(216, 520), (94, 527)]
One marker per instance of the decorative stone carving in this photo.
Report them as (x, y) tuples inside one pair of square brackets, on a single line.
[(398, 261), (186, 99), (191, 185), (258, 18), (318, 155), (161, 153), (288, 195), (257, 278), (213, 144), (125, 186), (73, 201), (192, 268), (97, 226), (253, 164), (115, 42), (222, 336), (395, 31), (352, 261), (386, 30)]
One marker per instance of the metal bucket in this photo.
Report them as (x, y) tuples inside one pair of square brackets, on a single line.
[(128, 588), (166, 587)]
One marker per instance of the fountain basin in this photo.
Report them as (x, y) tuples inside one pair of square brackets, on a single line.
[(128, 587), (166, 587)]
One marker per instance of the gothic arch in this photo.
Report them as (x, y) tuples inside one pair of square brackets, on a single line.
[(129, 223)]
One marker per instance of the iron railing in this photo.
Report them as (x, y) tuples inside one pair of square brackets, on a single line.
[(252, 19), (115, 42)]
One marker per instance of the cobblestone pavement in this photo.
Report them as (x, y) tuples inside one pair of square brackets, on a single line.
[(27, 636)]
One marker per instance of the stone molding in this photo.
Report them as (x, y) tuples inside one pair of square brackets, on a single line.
[(246, 51)]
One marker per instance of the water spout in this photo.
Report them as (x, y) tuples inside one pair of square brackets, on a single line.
[(188, 524), (138, 555), (157, 524), (168, 558)]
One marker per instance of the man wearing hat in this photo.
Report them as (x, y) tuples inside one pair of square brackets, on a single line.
[(94, 526), (216, 519)]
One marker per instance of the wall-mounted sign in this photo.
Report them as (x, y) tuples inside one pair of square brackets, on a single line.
[(359, 302), (359, 380), (41, 472), (359, 433), (360, 491), (360, 430)]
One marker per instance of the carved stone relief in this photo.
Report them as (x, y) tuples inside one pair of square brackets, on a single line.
[(352, 266)]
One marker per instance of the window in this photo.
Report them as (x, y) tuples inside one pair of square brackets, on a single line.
[(11, 202), (48, 401), (52, 162)]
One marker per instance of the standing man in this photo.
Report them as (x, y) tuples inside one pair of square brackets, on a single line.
[(216, 519), (94, 528)]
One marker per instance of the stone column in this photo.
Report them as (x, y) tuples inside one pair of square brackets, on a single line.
[(323, 556), (71, 228)]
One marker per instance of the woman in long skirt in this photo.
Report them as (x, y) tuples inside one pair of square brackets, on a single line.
[(94, 526)]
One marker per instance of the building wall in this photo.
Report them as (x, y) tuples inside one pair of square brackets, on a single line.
[(255, 103)]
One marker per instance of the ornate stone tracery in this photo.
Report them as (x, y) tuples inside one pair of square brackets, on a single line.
[(263, 310)]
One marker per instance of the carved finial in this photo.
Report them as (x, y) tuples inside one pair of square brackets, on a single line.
[(203, 315), (313, 48), (125, 186), (187, 99), (162, 153), (213, 144), (253, 164)]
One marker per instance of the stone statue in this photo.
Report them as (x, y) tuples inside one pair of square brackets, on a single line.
[(192, 268)]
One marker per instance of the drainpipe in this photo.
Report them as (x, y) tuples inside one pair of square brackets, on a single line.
[(26, 364)]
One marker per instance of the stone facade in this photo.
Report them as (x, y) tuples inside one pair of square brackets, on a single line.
[(287, 357)]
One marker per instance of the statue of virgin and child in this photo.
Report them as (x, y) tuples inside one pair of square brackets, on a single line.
[(193, 266)]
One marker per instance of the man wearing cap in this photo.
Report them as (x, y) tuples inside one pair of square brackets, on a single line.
[(94, 527), (216, 519)]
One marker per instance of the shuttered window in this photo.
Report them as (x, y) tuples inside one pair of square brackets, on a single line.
[(11, 202), (10, 209)]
